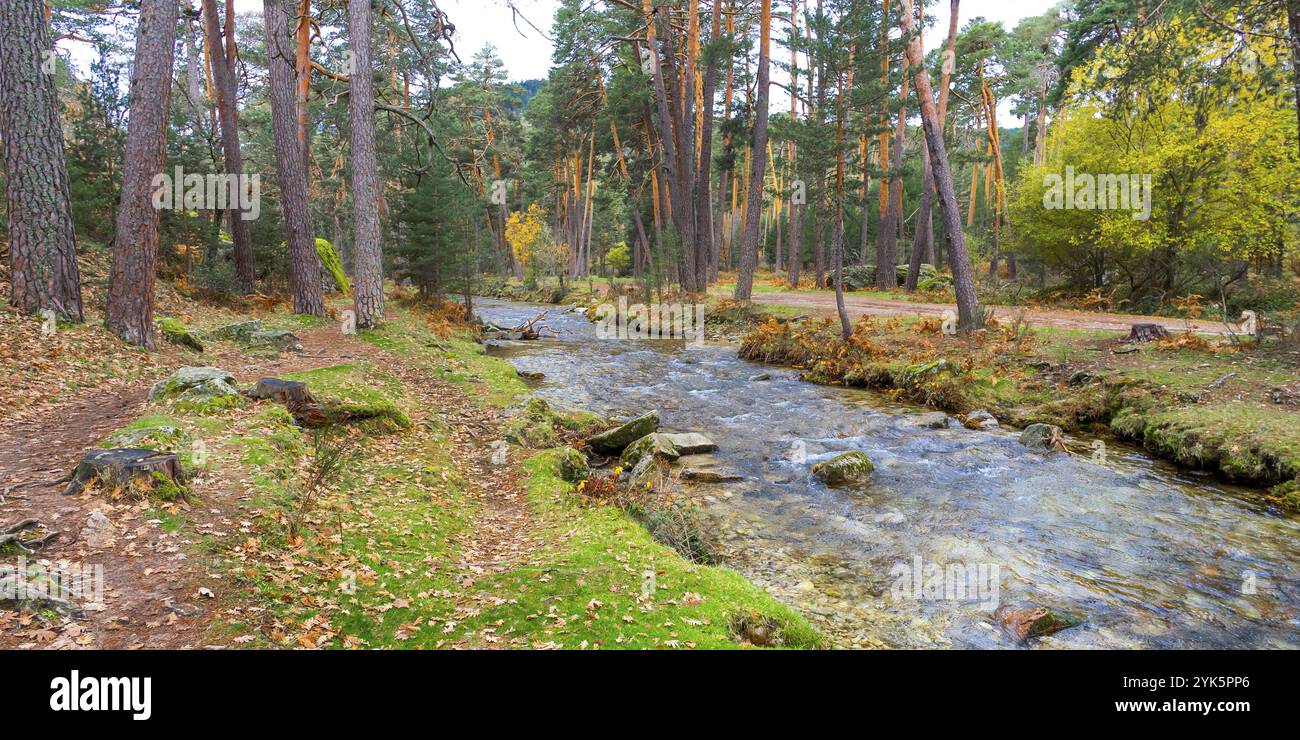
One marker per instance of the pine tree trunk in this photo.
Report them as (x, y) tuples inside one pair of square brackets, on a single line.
[(969, 314), (135, 244), (369, 269), (1293, 22), (704, 231), (291, 170), (223, 78), (749, 243), (42, 241)]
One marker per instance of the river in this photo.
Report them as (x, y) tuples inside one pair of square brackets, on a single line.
[(954, 522)]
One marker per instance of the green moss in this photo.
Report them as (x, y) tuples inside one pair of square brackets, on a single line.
[(329, 260), (1245, 442), (1286, 495), (693, 605), (176, 332)]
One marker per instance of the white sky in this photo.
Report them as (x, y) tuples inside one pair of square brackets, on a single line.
[(527, 54)]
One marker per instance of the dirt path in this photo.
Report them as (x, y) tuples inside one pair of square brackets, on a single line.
[(823, 303), (156, 593)]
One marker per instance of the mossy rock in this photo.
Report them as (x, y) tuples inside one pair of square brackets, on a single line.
[(846, 468), (657, 445), (332, 266), (161, 436), (176, 332), (614, 440), (240, 331), (200, 389), (573, 466), (1041, 437), (537, 435), (280, 341), (537, 409)]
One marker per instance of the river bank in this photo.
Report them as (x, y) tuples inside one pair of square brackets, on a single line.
[(1152, 555)]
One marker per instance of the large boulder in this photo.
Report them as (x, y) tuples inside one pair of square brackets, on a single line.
[(197, 385), (614, 440), (846, 468), (1041, 437), (691, 443), (654, 444)]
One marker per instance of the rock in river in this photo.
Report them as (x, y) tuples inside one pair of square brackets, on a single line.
[(656, 444), (1041, 437), (1034, 621), (933, 420), (614, 440), (981, 419), (845, 468), (691, 443), (706, 469)]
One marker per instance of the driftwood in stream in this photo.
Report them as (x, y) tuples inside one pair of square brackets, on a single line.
[(528, 330), (123, 467), (1145, 333)]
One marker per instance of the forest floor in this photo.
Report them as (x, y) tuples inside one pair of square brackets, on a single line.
[(427, 537)]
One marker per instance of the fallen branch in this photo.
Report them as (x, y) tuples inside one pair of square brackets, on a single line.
[(15, 587), (28, 546)]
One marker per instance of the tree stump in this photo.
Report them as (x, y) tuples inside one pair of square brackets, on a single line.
[(1145, 333), (295, 397), (280, 391), (122, 467)]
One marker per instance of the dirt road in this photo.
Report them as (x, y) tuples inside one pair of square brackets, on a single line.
[(823, 303)]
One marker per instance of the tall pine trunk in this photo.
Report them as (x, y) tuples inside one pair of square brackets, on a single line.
[(969, 314), (135, 243), (368, 268), (42, 241), (749, 243), (290, 168), (221, 53)]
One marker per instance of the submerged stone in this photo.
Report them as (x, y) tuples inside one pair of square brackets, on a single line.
[(1024, 624)]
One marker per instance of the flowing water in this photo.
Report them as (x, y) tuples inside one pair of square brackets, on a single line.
[(1150, 556)]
